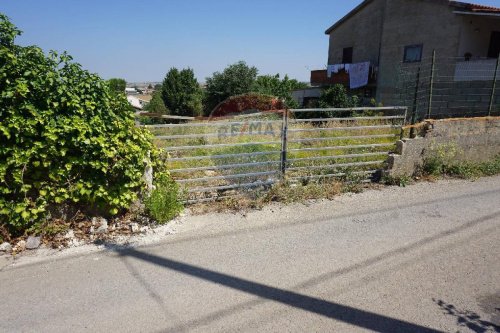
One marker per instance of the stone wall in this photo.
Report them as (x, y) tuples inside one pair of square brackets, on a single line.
[(475, 140)]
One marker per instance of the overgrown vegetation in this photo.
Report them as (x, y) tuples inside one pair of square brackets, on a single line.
[(281, 88), (283, 192), (66, 138), (292, 192), (296, 192), (435, 166), (401, 181), (446, 160), (336, 96), (164, 202)]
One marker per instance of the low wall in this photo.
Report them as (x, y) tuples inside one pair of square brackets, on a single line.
[(474, 139)]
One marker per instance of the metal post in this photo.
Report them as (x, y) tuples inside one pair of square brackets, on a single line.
[(431, 84), (401, 84), (284, 134), (415, 104), (401, 136), (492, 97)]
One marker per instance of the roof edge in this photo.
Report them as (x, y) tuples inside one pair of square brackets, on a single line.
[(349, 15), (474, 8), (457, 4)]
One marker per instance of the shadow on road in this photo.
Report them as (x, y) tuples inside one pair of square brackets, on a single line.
[(468, 319), (347, 314)]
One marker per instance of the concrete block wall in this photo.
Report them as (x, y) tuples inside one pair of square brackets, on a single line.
[(474, 139), (362, 32), (456, 99), (403, 26)]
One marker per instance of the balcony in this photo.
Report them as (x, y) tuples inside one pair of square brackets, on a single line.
[(319, 78)]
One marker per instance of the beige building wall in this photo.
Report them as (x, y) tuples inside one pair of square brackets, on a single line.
[(408, 22), (381, 29), (362, 32)]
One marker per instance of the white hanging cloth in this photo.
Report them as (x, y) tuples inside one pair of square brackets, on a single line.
[(358, 74), (334, 69)]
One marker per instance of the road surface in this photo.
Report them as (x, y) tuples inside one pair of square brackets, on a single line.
[(425, 258)]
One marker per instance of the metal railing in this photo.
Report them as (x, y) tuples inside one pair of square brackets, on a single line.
[(216, 159)]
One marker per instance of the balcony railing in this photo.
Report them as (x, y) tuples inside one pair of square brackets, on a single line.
[(321, 78), (476, 70)]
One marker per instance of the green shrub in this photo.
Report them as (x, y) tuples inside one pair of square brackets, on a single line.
[(443, 160), (164, 203), (65, 137), (433, 166), (462, 170), (440, 158), (474, 170), (490, 168), (335, 96)]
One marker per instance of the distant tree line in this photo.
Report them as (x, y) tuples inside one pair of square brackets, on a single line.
[(180, 93)]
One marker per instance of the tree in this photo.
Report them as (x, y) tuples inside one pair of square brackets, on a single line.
[(236, 79), (272, 85), (181, 93), (156, 105), (117, 85)]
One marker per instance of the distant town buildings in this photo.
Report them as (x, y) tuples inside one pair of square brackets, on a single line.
[(139, 95)]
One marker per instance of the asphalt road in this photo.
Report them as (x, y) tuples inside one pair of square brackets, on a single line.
[(425, 258)]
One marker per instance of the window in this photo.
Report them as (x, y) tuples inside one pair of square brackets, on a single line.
[(413, 53), (347, 55)]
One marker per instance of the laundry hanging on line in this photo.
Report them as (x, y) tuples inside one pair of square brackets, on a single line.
[(334, 69)]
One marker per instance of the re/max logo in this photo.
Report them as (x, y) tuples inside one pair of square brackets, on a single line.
[(250, 128)]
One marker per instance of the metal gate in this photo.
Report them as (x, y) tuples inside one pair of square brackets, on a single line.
[(220, 158)]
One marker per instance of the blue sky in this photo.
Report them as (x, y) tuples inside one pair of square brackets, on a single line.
[(141, 41)]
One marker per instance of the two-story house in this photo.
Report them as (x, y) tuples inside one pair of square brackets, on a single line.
[(387, 33)]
